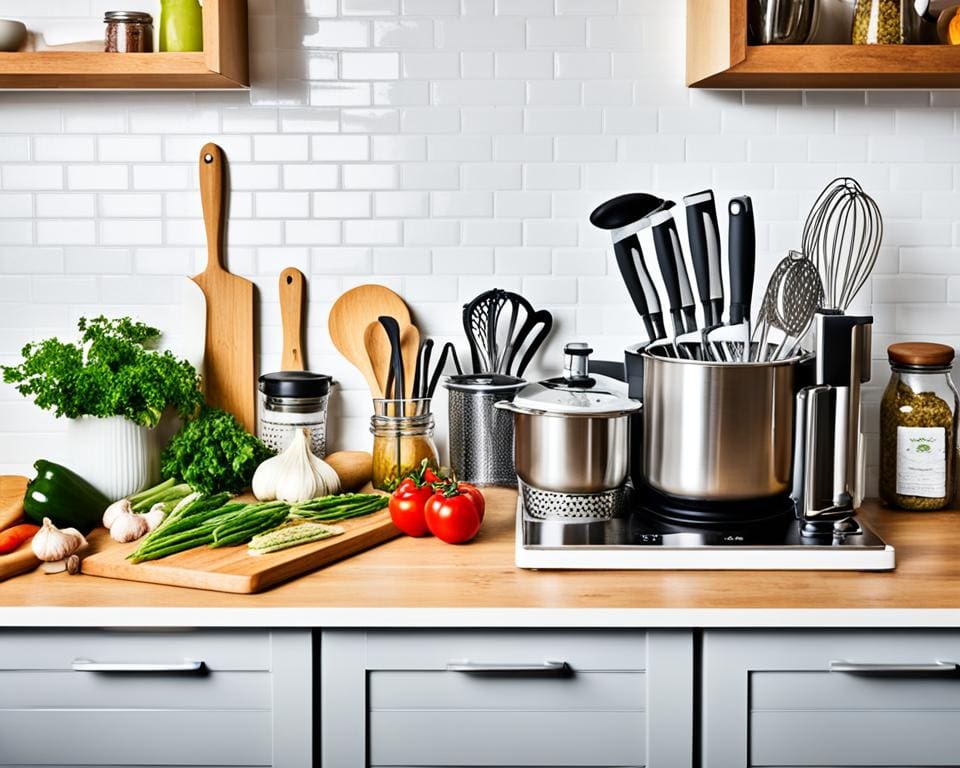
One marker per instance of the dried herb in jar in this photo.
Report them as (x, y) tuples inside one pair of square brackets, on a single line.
[(918, 423)]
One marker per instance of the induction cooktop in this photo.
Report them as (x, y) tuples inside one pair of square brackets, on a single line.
[(640, 539)]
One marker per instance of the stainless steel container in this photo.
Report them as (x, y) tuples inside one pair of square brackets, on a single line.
[(572, 433), (481, 436), (780, 21), (718, 432)]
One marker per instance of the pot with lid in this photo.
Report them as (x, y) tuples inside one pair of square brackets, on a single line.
[(572, 441)]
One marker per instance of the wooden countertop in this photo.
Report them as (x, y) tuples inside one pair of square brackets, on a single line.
[(424, 582)]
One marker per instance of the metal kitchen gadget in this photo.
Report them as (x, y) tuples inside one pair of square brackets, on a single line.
[(571, 438)]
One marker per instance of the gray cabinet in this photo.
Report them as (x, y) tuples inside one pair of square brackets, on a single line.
[(821, 698), (170, 698), (506, 698)]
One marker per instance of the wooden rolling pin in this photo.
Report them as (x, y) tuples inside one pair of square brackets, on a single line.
[(354, 468)]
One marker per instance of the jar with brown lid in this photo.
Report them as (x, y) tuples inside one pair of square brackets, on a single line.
[(918, 427)]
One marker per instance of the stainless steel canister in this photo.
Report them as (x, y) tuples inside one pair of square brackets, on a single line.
[(718, 432), (481, 436)]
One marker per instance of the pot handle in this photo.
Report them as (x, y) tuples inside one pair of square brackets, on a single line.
[(508, 405)]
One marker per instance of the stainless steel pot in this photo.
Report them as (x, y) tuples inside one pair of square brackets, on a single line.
[(718, 432), (780, 21), (572, 433)]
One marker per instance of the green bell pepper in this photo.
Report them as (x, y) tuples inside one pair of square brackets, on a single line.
[(63, 496)]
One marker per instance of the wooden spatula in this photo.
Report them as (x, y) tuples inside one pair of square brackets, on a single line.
[(348, 321), (229, 360), (291, 312)]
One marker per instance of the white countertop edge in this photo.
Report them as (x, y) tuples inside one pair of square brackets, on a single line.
[(521, 618)]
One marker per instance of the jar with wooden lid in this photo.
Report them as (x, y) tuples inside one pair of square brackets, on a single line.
[(918, 427)]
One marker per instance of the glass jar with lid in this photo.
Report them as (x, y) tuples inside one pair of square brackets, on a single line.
[(402, 439), (291, 400), (128, 32), (918, 427)]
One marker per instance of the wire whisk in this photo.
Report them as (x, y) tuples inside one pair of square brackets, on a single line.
[(842, 237)]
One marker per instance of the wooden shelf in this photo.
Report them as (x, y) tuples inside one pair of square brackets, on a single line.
[(718, 57), (222, 64)]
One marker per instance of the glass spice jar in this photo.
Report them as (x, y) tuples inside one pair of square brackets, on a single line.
[(128, 32), (877, 22), (402, 439), (918, 427), (292, 400)]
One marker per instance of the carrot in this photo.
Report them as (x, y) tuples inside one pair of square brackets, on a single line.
[(12, 538)]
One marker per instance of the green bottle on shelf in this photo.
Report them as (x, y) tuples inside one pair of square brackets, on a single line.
[(181, 25)]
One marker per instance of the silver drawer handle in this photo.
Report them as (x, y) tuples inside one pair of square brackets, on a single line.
[(937, 667), (477, 668), (86, 665)]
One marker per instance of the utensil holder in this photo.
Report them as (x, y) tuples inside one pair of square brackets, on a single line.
[(402, 438), (481, 436)]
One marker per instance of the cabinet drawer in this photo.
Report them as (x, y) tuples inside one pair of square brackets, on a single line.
[(491, 698), (831, 698), (117, 698), (219, 650)]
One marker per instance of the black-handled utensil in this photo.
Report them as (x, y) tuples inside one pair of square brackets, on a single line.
[(673, 269), (392, 327), (625, 216), (742, 258), (449, 352), (541, 318), (703, 234), (422, 370)]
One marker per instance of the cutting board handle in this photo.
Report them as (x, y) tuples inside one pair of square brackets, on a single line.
[(291, 312), (212, 161)]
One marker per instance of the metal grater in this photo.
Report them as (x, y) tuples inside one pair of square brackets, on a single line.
[(572, 507), (481, 436)]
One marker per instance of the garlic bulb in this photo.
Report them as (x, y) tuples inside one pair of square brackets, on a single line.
[(129, 527), (155, 516), (115, 510), (50, 543), (295, 475)]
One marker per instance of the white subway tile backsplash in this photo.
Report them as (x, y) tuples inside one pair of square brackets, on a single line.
[(464, 140)]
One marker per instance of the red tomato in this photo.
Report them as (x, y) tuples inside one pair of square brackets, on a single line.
[(406, 507), (430, 477), (474, 493), (453, 519)]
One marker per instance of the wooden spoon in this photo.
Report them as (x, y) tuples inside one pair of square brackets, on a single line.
[(348, 321), (291, 312)]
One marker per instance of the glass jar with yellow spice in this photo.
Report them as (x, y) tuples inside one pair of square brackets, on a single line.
[(402, 439), (918, 427)]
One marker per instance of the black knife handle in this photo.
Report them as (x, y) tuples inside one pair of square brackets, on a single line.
[(702, 232), (672, 268), (742, 255), (630, 262)]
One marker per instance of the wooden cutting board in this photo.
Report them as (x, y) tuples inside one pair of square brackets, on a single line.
[(12, 488), (232, 569), (229, 363)]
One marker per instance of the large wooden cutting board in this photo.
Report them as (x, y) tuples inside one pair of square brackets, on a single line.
[(229, 363), (232, 569)]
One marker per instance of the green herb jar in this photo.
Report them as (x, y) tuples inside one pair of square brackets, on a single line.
[(918, 427)]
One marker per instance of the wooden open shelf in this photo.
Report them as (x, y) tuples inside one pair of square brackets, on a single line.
[(718, 57), (221, 65)]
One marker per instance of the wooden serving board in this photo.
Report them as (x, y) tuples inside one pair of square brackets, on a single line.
[(233, 569)]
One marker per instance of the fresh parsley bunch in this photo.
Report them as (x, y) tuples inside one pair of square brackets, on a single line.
[(213, 453), (110, 372)]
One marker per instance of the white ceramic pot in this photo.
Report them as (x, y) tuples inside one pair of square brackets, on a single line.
[(116, 456)]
